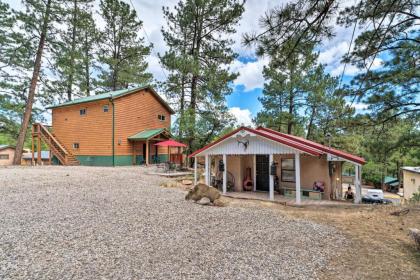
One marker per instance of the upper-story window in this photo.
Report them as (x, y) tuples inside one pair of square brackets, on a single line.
[(83, 111), (105, 108), (161, 117), (76, 146)]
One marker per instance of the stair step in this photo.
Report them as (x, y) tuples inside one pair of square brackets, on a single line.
[(60, 151)]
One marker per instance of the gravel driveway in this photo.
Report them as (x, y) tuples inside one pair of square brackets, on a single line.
[(93, 222)]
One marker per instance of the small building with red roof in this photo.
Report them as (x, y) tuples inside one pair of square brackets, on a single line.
[(265, 160)]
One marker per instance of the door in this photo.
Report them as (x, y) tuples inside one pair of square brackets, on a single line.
[(144, 153), (263, 175)]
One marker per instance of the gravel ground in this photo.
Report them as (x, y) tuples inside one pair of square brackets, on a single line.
[(92, 222)]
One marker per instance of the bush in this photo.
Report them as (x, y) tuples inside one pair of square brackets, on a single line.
[(416, 197), (371, 173)]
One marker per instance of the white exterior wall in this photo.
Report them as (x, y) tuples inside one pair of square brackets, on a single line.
[(257, 145)]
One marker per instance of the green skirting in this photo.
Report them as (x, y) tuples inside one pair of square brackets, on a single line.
[(119, 160), (104, 160)]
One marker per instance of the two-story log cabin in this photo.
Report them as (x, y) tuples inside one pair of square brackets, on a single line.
[(109, 129)]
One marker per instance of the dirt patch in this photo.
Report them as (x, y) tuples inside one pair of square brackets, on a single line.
[(381, 247)]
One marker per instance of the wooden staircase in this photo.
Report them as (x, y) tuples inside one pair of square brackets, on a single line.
[(40, 132)]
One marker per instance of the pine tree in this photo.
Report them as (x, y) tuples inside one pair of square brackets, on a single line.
[(392, 90), (70, 53), (389, 31), (89, 37), (198, 58), (122, 52), (35, 24), (284, 94)]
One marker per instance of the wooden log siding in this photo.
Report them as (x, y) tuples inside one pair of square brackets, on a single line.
[(134, 113), (93, 131)]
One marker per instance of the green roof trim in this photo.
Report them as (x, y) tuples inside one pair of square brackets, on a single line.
[(147, 134), (113, 95)]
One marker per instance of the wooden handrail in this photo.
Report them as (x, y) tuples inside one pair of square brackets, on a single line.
[(50, 136)]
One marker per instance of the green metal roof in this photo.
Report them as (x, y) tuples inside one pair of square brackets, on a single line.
[(390, 180), (147, 134), (2, 147), (112, 95)]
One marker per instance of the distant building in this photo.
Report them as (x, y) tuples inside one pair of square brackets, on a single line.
[(391, 184), (114, 128), (45, 158), (7, 153), (411, 181)]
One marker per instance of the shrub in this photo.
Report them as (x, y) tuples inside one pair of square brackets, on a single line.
[(416, 197)]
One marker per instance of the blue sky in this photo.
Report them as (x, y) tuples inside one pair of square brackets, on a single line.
[(243, 102)]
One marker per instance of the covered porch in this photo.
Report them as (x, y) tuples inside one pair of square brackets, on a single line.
[(251, 161), (147, 149)]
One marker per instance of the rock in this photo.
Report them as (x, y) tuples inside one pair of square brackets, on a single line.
[(171, 184), (187, 182), (415, 235)]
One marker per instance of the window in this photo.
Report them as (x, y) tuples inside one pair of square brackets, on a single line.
[(106, 108), (4, 156), (161, 117), (75, 145), (288, 170), (83, 111)]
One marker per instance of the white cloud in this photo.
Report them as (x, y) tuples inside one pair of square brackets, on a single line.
[(250, 74), (359, 106), (352, 70), (334, 53), (243, 116)]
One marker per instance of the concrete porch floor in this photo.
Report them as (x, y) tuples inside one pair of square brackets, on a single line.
[(263, 196)]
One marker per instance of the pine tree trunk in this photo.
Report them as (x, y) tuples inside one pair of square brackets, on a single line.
[(87, 68), (290, 121), (311, 123), (34, 80), (181, 108), (193, 107), (291, 104), (73, 49), (194, 80)]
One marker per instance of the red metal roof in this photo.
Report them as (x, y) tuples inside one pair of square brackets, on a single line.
[(296, 142), (318, 146), (286, 142), (170, 143)]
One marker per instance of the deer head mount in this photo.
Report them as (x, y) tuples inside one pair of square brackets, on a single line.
[(244, 142)]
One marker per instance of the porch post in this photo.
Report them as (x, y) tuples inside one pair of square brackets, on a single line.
[(147, 152), (206, 168), (224, 174), (195, 171), (38, 147), (297, 175), (271, 190), (254, 171), (133, 160), (33, 146), (357, 169)]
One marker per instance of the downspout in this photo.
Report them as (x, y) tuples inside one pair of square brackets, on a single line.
[(113, 131)]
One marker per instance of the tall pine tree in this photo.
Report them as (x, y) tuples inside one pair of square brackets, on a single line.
[(122, 52), (25, 58), (72, 50), (198, 58)]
